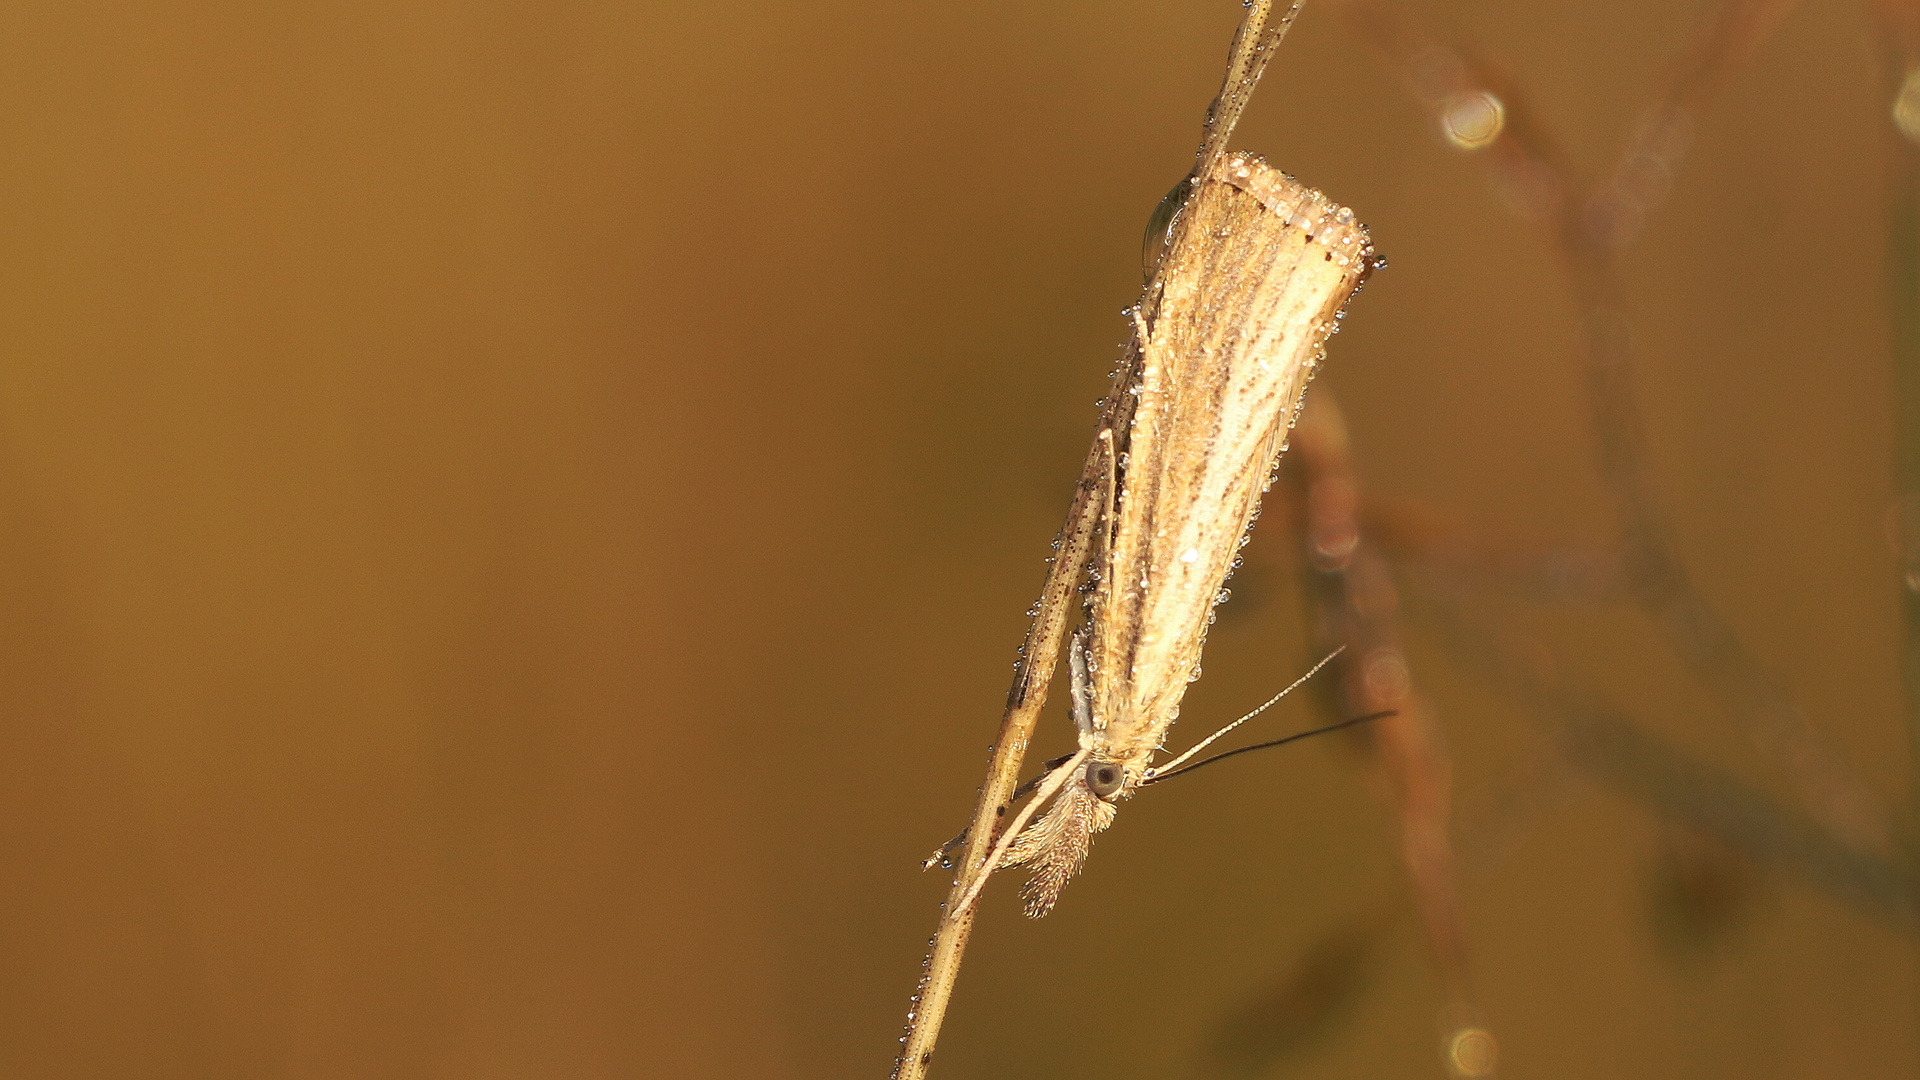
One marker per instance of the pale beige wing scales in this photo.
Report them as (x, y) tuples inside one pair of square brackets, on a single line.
[(1248, 299)]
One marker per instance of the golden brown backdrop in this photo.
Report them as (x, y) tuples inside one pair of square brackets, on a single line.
[(515, 519)]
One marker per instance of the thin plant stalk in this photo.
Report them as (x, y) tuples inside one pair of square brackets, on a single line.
[(1253, 46)]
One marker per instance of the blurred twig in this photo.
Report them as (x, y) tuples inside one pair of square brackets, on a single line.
[(1457, 559), (1587, 231), (1898, 26), (1357, 604), (1844, 845), (1305, 998), (1584, 733), (1308, 994), (1604, 742)]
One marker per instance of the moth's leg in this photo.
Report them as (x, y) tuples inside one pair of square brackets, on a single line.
[(947, 849), (1046, 767), (1109, 442), (1082, 684), (1099, 560)]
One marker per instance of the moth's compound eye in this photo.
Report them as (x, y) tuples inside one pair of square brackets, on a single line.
[(1104, 778)]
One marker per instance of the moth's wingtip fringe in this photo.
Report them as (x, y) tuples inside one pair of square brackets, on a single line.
[(1326, 221), (1040, 896), (1042, 889)]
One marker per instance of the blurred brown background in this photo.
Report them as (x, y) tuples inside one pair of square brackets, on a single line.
[(515, 519)]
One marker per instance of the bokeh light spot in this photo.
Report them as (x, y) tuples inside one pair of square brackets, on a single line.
[(1473, 119), (1471, 1052), (1906, 107), (1386, 676)]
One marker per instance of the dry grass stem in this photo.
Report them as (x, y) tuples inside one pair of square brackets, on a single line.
[(1253, 47)]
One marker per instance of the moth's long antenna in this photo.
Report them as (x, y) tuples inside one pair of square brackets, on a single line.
[(1296, 737), (1155, 774), (985, 870)]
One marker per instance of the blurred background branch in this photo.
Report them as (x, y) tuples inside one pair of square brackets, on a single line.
[(1897, 23), (1841, 843)]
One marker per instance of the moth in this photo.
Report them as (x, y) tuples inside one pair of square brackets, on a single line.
[(1248, 273), (1255, 277)]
